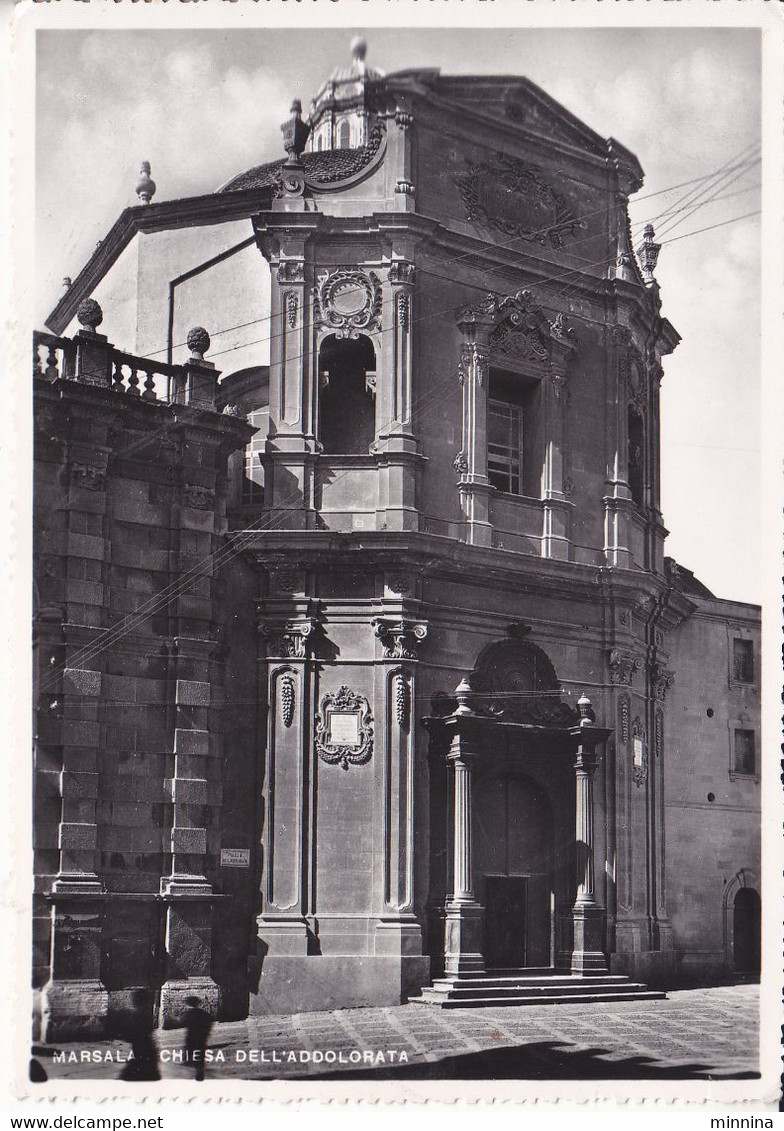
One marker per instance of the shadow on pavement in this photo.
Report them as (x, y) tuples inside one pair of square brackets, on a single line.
[(544, 1060)]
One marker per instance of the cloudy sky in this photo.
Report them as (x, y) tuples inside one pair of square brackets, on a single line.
[(204, 105)]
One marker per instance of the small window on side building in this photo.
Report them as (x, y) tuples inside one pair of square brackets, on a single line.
[(745, 760), (742, 660)]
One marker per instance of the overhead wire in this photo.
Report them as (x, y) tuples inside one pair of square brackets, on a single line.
[(183, 582), (466, 255)]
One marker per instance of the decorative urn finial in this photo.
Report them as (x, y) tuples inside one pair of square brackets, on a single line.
[(463, 694), (89, 314), (359, 51), (585, 708), (295, 133), (145, 186), (198, 342), (648, 253)]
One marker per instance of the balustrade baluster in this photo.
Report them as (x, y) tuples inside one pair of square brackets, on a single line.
[(51, 372), (149, 393), (37, 371), (133, 382), (118, 380)]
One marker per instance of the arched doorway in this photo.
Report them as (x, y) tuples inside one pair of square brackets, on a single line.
[(514, 875), (746, 931)]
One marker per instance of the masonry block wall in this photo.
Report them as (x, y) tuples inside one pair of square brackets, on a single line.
[(713, 769), (129, 520)]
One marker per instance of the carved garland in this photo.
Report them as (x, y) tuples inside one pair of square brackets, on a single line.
[(402, 699), (287, 700), (639, 753), (331, 747)]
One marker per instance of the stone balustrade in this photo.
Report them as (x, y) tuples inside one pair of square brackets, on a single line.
[(91, 359)]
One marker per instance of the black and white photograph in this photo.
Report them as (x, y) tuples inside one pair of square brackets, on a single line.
[(399, 425)]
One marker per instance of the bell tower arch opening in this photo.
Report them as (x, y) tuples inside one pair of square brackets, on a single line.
[(347, 412)]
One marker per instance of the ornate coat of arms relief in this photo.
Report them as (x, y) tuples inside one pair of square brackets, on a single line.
[(508, 195)]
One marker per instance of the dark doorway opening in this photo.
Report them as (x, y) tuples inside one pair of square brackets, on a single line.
[(506, 913), (347, 407), (746, 928)]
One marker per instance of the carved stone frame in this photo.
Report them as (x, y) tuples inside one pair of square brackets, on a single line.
[(344, 700)]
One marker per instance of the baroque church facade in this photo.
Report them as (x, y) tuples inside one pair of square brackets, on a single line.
[(362, 676)]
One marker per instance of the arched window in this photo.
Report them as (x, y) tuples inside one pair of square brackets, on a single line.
[(347, 413), (344, 135), (636, 456)]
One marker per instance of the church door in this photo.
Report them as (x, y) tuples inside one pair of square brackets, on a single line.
[(506, 920), (746, 931), (513, 869)]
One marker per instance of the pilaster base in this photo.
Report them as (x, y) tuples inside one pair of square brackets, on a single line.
[(284, 936), (182, 884), (398, 936), (463, 927), (175, 992), (321, 982), (74, 1009), (588, 957), (77, 883)]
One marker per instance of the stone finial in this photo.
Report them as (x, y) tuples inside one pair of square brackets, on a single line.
[(295, 133), (585, 709), (648, 253), (145, 186), (66, 281), (198, 342), (89, 314), (359, 51), (463, 694)]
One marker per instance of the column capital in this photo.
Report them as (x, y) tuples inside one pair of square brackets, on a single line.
[(400, 639)]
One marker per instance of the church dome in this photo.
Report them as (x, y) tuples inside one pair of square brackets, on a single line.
[(340, 115)]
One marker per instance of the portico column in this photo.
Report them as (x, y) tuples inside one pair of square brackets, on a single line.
[(588, 954), (463, 915), (462, 886)]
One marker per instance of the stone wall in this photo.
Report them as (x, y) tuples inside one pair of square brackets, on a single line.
[(130, 491)]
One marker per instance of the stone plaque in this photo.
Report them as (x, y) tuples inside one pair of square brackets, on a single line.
[(344, 728), (235, 858)]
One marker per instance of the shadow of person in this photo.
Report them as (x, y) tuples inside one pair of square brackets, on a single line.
[(198, 1024), (37, 1072), (137, 1028)]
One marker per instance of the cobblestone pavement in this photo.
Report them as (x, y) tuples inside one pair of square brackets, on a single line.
[(693, 1034)]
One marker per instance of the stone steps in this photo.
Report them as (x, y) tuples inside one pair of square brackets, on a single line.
[(531, 987)]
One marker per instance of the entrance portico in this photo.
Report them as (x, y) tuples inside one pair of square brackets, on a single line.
[(468, 740)]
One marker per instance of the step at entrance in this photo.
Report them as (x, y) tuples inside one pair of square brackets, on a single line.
[(529, 986)]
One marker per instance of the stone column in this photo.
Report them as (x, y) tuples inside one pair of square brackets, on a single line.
[(398, 931), (186, 891), (287, 632), (464, 917), (292, 446), (588, 915), (395, 445), (74, 1000), (556, 507), (471, 462), (618, 505)]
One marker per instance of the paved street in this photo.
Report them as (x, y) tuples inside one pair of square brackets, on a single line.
[(693, 1034)]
